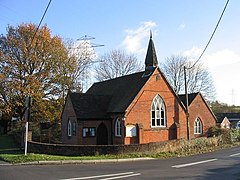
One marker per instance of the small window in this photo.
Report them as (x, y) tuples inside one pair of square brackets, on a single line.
[(74, 128), (69, 128), (158, 113), (89, 131), (197, 126), (118, 127)]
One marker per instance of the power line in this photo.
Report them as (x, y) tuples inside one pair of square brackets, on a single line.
[(211, 36), (41, 21)]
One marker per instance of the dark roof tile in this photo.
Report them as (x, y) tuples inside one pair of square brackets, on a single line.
[(122, 90), (90, 106), (191, 97)]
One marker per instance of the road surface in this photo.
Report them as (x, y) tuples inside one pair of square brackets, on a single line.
[(222, 164)]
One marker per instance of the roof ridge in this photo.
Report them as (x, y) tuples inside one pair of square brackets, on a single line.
[(119, 77)]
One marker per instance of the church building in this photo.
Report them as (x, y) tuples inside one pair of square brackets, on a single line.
[(133, 109)]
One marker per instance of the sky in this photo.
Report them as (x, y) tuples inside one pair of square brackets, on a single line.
[(179, 28)]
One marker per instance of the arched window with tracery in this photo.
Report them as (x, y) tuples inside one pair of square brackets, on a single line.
[(118, 127), (158, 112), (198, 126)]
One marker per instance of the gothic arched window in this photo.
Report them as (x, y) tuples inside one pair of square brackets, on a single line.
[(198, 126), (158, 112), (118, 127)]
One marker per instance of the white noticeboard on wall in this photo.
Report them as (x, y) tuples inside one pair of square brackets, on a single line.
[(131, 131)]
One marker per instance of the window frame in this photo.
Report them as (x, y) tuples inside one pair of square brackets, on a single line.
[(158, 113), (88, 132), (198, 126), (74, 128), (69, 128), (118, 127)]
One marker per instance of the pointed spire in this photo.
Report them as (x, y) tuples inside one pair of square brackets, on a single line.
[(151, 57)]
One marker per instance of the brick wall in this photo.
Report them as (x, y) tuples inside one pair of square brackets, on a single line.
[(139, 112), (198, 108), (68, 113), (94, 124), (91, 150)]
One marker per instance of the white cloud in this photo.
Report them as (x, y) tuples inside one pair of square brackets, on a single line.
[(224, 67), (192, 54), (221, 58), (181, 27), (133, 41)]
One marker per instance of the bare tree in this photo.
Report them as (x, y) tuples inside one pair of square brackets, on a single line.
[(84, 55), (198, 77), (116, 63)]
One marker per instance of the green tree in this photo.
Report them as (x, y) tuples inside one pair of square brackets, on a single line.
[(39, 67), (218, 107)]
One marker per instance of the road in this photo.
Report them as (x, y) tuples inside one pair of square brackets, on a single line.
[(223, 164)]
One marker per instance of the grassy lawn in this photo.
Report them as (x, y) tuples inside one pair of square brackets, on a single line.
[(21, 158), (10, 152)]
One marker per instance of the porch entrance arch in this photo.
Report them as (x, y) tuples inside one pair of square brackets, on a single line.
[(102, 135)]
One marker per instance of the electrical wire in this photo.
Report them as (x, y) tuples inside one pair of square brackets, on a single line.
[(41, 21), (211, 36)]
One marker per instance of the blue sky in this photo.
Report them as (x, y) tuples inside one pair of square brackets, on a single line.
[(179, 27)]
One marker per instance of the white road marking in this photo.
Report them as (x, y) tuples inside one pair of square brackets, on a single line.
[(237, 154), (120, 177), (194, 163), (100, 176)]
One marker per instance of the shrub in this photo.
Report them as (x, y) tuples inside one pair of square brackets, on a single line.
[(235, 135), (223, 134)]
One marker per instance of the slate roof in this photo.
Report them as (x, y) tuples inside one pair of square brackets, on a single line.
[(151, 57), (191, 97), (230, 116), (90, 106), (122, 90)]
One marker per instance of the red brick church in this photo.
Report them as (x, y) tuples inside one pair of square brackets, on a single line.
[(133, 109)]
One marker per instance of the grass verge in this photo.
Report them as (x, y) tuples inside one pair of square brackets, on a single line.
[(21, 158), (14, 157)]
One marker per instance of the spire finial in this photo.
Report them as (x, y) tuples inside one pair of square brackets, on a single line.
[(151, 57)]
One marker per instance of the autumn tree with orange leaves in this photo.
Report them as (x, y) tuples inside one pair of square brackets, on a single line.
[(39, 67)]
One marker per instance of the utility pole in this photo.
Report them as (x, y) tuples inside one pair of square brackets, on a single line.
[(187, 110), (28, 106)]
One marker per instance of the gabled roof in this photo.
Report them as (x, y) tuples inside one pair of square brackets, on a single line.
[(122, 90), (115, 95), (230, 116), (90, 106), (191, 97)]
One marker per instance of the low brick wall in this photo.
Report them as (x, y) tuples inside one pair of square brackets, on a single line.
[(91, 150)]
